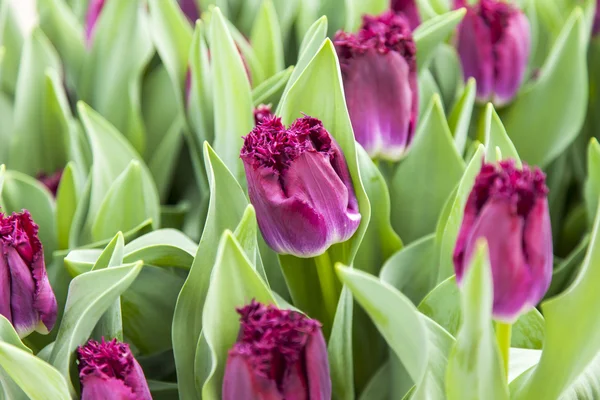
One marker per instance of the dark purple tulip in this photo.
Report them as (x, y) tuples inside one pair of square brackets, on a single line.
[(409, 9), (190, 9), (261, 113), (596, 26), (26, 297), (107, 370), (51, 181), (299, 184), (379, 69), (494, 44), (509, 208), (279, 355)]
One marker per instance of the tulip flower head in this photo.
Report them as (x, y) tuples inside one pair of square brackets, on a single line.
[(494, 44), (596, 26), (107, 370), (509, 208), (190, 9), (26, 297), (261, 113), (93, 13), (379, 70), (280, 354), (299, 184), (409, 9)]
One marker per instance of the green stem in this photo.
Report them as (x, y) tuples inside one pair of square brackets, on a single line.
[(328, 282), (503, 332)]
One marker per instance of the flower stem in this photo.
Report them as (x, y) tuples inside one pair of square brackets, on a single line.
[(503, 332), (328, 282)]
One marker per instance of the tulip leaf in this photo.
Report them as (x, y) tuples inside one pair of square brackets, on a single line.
[(447, 229), (90, 295), (232, 97), (379, 385), (339, 348), (592, 182), (200, 98), (538, 138), (427, 89), (234, 283), (66, 203), (9, 388), (6, 115), (112, 71), (355, 9), (572, 338), (495, 137), (475, 369), (163, 161), (226, 207), (270, 91), (460, 116), (587, 385), (266, 40), (11, 40), (433, 32), (447, 71), (425, 178), (421, 345)]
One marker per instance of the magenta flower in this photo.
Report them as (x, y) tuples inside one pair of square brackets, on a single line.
[(93, 13), (299, 184), (26, 297), (51, 181), (107, 370), (379, 70), (409, 9), (190, 9), (509, 208), (280, 354), (596, 26), (494, 44), (261, 113)]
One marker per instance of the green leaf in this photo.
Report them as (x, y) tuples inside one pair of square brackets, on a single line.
[(355, 9), (234, 284), (232, 96), (11, 40), (6, 114), (564, 76), (495, 137), (270, 91), (226, 207), (427, 89), (90, 295), (426, 176), (379, 386), (572, 337), (592, 182), (164, 160), (434, 31), (8, 387), (460, 116), (475, 369), (67, 197), (339, 349), (266, 40), (446, 69)]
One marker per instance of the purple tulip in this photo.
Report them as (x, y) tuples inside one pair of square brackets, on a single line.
[(299, 184), (93, 13), (51, 181), (26, 297), (596, 26), (107, 370), (190, 9), (409, 9), (379, 70), (262, 113), (279, 355), (509, 208), (494, 44)]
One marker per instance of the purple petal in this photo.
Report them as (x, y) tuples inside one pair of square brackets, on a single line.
[(22, 287), (409, 9), (4, 284), (242, 382), (382, 99), (190, 9), (93, 13), (44, 300), (97, 388), (137, 382), (317, 367), (294, 385)]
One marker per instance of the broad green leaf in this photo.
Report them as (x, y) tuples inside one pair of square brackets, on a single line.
[(434, 31), (563, 76), (355, 9), (164, 160), (163, 390), (269, 91), (425, 178), (459, 119), (572, 337), (11, 40), (226, 207), (566, 271), (446, 69), (6, 114), (520, 361), (495, 137), (379, 386), (592, 182), (232, 97), (266, 40), (90, 295), (587, 385), (475, 369), (9, 389), (234, 284), (252, 65), (246, 234), (67, 197), (339, 349), (427, 89), (112, 71)]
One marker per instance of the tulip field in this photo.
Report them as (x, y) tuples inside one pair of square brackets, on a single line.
[(300, 199)]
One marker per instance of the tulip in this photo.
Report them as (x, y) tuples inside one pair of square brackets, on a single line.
[(409, 9), (107, 370), (596, 26), (261, 113), (190, 9), (93, 13), (26, 297), (379, 70), (280, 354), (509, 208), (299, 184), (51, 181), (494, 45)]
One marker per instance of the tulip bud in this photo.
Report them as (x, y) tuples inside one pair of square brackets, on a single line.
[(509, 208), (190, 9), (93, 13), (51, 181), (26, 297), (299, 184), (596, 26), (494, 45), (280, 354), (107, 370), (261, 113), (409, 9), (379, 70)]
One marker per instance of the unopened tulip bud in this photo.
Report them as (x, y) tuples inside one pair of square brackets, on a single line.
[(279, 355), (494, 44), (409, 9), (509, 208), (379, 70), (107, 370), (299, 184)]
